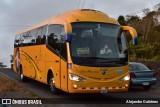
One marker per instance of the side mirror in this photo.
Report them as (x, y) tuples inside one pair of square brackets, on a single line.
[(133, 33)]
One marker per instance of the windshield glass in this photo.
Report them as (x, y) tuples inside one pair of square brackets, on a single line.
[(98, 44)]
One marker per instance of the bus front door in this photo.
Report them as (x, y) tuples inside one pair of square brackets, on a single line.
[(63, 67)]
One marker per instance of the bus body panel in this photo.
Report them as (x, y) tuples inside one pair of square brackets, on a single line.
[(53, 63), (96, 81), (37, 60), (110, 72), (30, 61), (64, 75), (76, 16), (42, 63)]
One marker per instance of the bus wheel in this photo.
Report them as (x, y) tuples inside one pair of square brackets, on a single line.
[(52, 87), (22, 77)]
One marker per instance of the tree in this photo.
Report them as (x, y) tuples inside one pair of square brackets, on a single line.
[(1, 64), (135, 22), (147, 23), (121, 20), (143, 25), (157, 7), (157, 16)]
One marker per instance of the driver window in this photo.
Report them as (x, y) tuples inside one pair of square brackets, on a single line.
[(122, 45), (123, 41)]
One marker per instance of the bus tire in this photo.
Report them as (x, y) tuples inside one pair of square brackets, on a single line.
[(22, 77), (52, 86)]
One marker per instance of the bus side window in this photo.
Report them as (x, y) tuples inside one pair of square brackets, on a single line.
[(38, 40), (63, 47), (21, 39), (29, 39), (54, 36), (16, 42), (33, 38), (38, 35), (43, 35)]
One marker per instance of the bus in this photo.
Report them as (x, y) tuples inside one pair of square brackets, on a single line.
[(79, 51)]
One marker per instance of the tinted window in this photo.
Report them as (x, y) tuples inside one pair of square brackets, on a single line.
[(63, 44), (33, 37), (54, 36), (32, 34), (27, 39), (43, 35), (16, 42), (56, 40)]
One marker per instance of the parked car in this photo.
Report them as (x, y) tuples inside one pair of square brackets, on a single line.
[(141, 75)]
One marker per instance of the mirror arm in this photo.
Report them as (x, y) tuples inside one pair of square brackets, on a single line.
[(133, 33)]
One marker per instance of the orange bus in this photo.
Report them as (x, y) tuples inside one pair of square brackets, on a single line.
[(80, 51)]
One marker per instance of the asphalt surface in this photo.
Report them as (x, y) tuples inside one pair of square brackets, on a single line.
[(92, 100)]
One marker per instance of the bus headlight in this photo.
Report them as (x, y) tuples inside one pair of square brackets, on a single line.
[(74, 77), (125, 78)]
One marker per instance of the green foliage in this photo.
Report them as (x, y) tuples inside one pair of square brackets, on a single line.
[(121, 20), (157, 28), (133, 19), (1, 64), (148, 30), (145, 51)]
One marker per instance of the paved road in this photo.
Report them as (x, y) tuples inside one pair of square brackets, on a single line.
[(42, 91)]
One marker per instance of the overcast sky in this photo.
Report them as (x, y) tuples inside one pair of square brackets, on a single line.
[(16, 15)]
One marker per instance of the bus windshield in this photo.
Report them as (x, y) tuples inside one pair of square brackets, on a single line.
[(98, 44)]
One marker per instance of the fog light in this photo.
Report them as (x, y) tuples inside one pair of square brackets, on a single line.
[(126, 85), (75, 86)]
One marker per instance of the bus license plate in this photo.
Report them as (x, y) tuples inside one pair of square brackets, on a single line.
[(103, 91), (145, 83)]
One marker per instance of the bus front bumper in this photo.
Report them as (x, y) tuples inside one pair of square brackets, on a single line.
[(98, 88)]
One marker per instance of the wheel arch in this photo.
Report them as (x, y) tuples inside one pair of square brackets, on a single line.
[(50, 71), (20, 69)]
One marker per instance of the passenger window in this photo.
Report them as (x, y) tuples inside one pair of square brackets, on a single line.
[(16, 42), (33, 37), (43, 36), (54, 36), (21, 39), (27, 39), (38, 35)]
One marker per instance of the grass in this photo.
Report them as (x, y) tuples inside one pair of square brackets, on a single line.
[(12, 89)]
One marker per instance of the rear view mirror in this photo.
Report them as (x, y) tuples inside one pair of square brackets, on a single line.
[(132, 32), (68, 32)]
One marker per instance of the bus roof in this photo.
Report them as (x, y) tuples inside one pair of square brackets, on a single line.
[(79, 15)]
